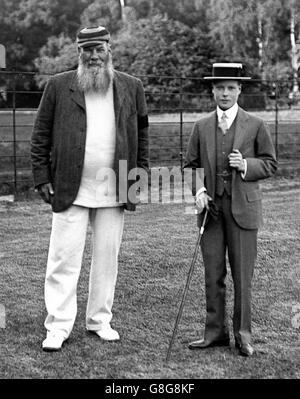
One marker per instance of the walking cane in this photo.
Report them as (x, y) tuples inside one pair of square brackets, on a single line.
[(190, 273)]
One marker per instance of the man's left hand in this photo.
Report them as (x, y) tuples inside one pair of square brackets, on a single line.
[(236, 160)]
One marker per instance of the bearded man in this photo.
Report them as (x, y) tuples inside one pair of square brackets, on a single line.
[(88, 123)]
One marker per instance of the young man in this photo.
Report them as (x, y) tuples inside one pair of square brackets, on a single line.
[(235, 149), (88, 120)]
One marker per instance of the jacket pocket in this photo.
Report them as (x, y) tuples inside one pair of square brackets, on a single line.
[(254, 196)]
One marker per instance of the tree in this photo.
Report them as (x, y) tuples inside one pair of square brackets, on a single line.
[(233, 26), (189, 12), (26, 25), (105, 13), (9, 37), (58, 55), (163, 37), (165, 47), (143, 8), (256, 32), (294, 52), (57, 15)]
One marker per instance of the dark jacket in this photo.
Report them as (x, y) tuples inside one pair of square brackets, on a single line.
[(253, 140), (59, 135)]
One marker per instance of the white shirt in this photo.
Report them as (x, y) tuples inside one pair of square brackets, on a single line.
[(230, 113), (98, 186)]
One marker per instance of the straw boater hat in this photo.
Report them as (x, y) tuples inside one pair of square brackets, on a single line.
[(92, 36), (227, 71)]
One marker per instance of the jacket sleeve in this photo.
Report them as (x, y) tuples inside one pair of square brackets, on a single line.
[(194, 178), (143, 129), (41, 137), (264, 164)]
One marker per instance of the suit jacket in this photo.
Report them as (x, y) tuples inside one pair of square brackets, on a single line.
[(59, 134), (253, 140)]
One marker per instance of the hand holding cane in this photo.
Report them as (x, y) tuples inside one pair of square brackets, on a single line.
[(190, 273)]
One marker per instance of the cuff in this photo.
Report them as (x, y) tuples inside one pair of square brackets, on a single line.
[(200, 191), (243, 174)]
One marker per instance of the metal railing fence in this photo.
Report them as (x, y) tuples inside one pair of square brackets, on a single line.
[(174, 104)]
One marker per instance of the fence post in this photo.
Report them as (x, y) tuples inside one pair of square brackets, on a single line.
[(14, 133), (181, 124), (276, 120)]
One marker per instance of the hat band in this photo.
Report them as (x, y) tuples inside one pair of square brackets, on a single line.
[(219, 72)]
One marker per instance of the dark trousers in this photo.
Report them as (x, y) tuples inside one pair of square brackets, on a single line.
[(220, 235)]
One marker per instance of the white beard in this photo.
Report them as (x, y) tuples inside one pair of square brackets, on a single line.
[(95, 78)]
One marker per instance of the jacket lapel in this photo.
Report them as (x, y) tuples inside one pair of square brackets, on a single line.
[(210, 128), (119, 95), (240, 128), (211, 139), (76, 94), (240, 136)]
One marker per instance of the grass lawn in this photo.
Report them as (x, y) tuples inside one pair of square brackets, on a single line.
[(155, 257)]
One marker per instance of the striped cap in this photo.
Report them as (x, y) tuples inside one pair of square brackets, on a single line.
[(93, 35)]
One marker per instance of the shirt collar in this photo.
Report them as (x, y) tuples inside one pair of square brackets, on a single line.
[(230, 113)]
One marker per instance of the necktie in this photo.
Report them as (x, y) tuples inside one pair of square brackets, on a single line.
[(223, 123)]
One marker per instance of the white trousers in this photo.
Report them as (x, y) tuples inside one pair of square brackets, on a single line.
[(66, 248)]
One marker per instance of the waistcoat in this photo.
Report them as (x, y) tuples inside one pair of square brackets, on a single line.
[(224, 144)]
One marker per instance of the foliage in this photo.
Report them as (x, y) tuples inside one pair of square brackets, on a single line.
[(104, 13), (58, 55), (189, 12), (142, 8), (163, 47), (255, 32), (240, 27), (26, 25)]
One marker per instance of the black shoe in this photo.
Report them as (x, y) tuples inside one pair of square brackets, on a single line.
[(246, 350), (203, 343)]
